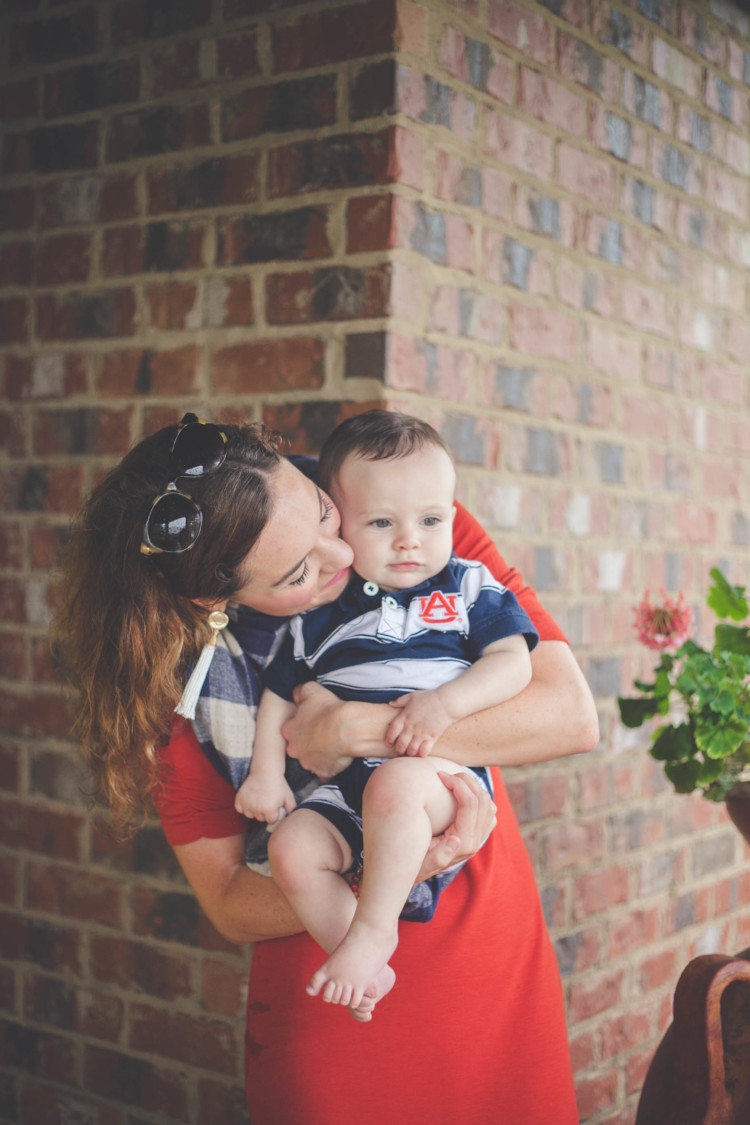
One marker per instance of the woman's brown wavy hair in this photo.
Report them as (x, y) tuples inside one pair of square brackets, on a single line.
[(127, 629)]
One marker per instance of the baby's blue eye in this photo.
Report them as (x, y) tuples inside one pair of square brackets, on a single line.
[(381, 523)]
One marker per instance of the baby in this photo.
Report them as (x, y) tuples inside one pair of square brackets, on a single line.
[(436, 637)]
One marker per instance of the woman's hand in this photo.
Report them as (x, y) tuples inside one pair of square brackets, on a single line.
[(476, 816), (326, 733)]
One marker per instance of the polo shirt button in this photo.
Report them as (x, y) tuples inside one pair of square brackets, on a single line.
[(371, 589), (391, 602)]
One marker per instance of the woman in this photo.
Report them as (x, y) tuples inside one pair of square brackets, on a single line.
[(474, 1030)]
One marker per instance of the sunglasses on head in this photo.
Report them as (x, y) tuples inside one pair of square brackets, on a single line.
[(175, 520)]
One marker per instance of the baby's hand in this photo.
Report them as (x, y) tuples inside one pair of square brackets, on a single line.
[(264, 797), (421, 721)]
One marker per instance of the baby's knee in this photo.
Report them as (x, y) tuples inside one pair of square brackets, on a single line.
[(288, 854), (396, 784)]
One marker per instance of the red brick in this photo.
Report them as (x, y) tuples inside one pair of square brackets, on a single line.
[(521, 28), (175, 916), (568, 845), (42, 830), (306, 425), (47, 1104), (369, 223), (290, 236), (17, 208), (44, 546), (156, 247), (308, 103), (14, 321), (338, 293), (52, 1057), (57, 148), (407, 159), (208, 1044), (152, 132), (593, 995), (85, 88), (9, 879), (237, 55), (520, 146), (176, 67), (224, 988), (212, 183), (626, 1031), (14, 664), (596, 1094), (581, 63), (73, 893), (70, 202), (552, 103), (587, 176), (15, 264), (269, 365), (227, 1104), (545, 332), (172, 372), (84, 431), (326, 37), (417, 365), (86, 315), (62, 259), (597, 891), (10, 762), (134, 20), (636, 929), (46, 41), (56, 1003), (344, 160), (137, 966), (136, 1081), (19, 99), (658, 970)]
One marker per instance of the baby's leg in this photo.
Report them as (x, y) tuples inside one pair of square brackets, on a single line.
[(405, 804), (308, 856)]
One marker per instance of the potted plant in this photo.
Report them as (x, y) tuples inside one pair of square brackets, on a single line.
[(699, 698)]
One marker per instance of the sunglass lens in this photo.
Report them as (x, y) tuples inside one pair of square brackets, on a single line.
[(174, 523), (198, 449)]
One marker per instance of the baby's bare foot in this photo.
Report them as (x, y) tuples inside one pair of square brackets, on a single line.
[(374, 992), (353, 965)]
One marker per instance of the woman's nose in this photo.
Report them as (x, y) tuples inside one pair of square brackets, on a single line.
[(338, 554)]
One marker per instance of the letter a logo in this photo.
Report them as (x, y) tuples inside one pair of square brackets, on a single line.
[(438, 609)]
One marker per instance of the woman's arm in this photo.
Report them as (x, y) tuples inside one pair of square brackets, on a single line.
[(243, 905), (553, 717)]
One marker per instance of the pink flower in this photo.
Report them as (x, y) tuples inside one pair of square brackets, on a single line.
[(663, 625)]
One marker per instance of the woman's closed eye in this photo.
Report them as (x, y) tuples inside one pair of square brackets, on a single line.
[(302, 578)]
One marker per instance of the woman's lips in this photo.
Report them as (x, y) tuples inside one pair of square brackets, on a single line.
[(337, 577)]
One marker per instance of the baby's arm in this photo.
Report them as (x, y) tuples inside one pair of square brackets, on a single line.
[(502, 671), (264, 793)]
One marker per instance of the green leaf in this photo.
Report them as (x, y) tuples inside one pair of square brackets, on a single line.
[(723, 703), (710, 770), (726, 600), (732, 638), (721, 740), (683, 775), (634, 712), (673, 743)]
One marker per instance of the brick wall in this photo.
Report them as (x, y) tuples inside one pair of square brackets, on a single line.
[(527, 222)]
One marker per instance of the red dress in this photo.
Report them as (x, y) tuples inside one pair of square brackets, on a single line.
[(473, 1032)]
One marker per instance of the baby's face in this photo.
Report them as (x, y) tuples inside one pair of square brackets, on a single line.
[(397, 516)]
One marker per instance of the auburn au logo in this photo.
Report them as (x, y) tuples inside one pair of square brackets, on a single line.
[(438, 609)]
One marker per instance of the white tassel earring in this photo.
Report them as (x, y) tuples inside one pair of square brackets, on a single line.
[(190, 696)]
